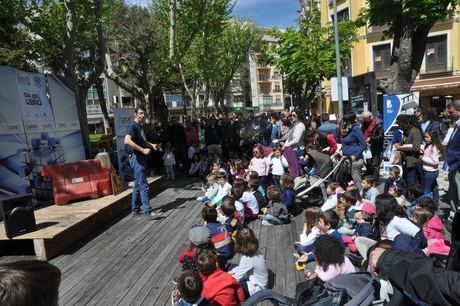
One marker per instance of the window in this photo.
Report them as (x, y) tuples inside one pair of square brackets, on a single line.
[(262, 77), (277, 88), (342, 15), (436, 53), (381, 59)]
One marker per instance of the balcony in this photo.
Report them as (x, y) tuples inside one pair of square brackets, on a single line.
[(93, 108)]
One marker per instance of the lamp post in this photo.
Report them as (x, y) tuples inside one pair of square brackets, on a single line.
[(337, 60)]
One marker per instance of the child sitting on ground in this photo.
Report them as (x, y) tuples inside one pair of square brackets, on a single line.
[(223, 190), (219, 287), (288, 196), (350, 203), (29, 282), (219, 235), (276, 213), (252, 270), (369, 191), (310, 230), (251, 175), (432, 226), (249, 201), (332, 189), (236, 193), (278, 164), (327, 224), (330, 259), (200, 239), (396, 192), (364, 219), (189, 289), (394, 177), (254, 186), (414, 192), (229, 216), (212, 188), (236, 169), (195, 165)]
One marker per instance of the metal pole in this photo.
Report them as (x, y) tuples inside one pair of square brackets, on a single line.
[(337, 60)]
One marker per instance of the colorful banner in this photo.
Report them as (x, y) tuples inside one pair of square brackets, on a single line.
[(29, 136)]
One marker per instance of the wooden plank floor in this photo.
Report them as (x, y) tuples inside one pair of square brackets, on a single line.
[(132, 260)]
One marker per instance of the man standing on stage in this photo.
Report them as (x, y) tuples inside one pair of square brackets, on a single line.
[(138, 149)]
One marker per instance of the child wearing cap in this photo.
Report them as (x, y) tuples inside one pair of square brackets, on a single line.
[(200, 239), (364, 217)]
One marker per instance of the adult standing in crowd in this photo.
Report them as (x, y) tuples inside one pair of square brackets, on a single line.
[(373, 133), (453, 159), (212, 136), (276, 128), (295, 136), (353, 146), (138, 150), (177, 139), (430, 121), (410, 149)]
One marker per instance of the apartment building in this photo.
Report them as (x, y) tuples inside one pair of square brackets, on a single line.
[(267, 82), (114, 97), (439, 79)]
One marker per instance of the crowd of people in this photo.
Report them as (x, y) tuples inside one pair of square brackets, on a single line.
[(254, 168), (253, 172)]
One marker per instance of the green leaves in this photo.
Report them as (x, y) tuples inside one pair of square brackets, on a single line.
[(307, 56)]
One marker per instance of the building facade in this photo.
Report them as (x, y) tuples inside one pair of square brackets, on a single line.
[(439, 79), (114, 97), (267, 82)]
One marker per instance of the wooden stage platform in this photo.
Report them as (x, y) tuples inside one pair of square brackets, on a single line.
[(58, 227), (132, 260)]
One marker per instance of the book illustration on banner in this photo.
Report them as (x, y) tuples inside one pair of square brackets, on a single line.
[(43, 151)]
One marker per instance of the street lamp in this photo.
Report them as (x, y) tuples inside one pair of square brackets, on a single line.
[(337, 59)]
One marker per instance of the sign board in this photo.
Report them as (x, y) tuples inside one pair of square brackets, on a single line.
[(335, 89), (122, 118), (394, 105)]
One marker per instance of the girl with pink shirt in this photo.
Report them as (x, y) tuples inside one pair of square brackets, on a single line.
[(260, 164), (430, 158), (330, 259)]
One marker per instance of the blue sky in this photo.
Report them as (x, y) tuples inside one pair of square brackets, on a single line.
[(265, 13)]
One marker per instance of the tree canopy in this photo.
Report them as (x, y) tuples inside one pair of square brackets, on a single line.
[(306, 56)]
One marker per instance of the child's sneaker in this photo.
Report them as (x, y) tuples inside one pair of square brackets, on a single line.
[(266, 223)]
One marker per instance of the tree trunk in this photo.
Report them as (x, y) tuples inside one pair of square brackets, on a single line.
[(157, 98), (80, 95), (102, 103), (409, 47), (172, 28)]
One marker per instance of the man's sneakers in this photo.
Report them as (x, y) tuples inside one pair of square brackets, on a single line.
[(136, 211), (155, 215)]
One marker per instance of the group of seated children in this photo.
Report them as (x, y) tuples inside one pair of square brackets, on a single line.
[(204, 265)]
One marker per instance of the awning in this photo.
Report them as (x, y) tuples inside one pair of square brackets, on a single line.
[(436, 83)]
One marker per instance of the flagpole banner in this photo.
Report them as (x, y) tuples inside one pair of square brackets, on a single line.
[(29, 136), (122, 118)]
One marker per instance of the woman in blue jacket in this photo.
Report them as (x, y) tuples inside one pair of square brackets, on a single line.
[(353, 146)]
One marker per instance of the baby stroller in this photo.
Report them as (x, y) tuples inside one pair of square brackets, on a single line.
[(329, 168)]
